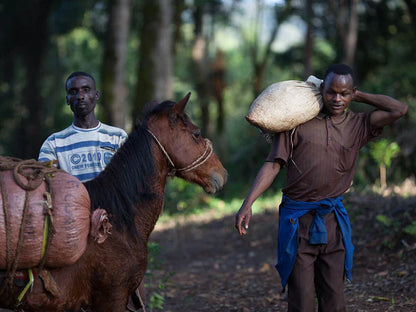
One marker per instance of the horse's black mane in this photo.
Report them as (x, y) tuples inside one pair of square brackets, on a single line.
[(127, 179)]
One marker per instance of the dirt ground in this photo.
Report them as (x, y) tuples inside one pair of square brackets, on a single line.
[(213, 269)]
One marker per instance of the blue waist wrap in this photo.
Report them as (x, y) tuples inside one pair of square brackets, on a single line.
[(287, 242)]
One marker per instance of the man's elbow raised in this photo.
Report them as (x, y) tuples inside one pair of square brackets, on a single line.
[(401, 111)]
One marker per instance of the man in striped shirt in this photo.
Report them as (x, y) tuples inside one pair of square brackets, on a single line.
[(314, 242), (85, 147)]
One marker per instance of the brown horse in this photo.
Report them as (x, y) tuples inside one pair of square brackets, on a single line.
[(131, 190)]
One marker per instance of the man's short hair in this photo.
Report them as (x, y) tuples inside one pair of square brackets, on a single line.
[(341, 69), (77, 74)]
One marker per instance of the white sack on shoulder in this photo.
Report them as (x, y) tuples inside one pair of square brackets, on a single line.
[(286, 104)]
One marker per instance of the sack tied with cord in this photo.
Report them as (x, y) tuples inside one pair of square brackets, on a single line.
[(284, 105), (44, 215)]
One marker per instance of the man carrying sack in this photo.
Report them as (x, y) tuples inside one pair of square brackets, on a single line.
[(314, 243)]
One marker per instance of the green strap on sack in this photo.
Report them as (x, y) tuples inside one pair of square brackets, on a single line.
[(48, 219), (28, 285)]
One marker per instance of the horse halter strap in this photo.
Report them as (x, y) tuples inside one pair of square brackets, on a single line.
[(195, 164)]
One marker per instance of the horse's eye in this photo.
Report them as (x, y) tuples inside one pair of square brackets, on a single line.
[(197, 133)]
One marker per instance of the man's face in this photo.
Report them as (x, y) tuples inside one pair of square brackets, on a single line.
[(81, 95), (337, 92)]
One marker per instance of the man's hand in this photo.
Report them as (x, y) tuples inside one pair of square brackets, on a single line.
[(264, 179), (242, 219)]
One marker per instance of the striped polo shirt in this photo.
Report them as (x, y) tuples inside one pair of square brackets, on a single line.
[(84, 153)]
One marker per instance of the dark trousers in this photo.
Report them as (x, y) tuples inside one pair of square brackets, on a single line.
[(318, 268)]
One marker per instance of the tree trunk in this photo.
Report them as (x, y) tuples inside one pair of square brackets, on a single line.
[(219, 85), (351, 37), (346, 22), (179, 7), (218, 81), (411, 5), (383, 176), (114, 89), (260, 62), (309, 38), (34, 25), (155, 72), (201, 67)]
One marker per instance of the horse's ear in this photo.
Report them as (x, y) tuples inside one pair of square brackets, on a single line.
[(180, 106), (100, 226)]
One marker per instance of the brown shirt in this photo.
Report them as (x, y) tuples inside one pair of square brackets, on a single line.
[(321, 155)]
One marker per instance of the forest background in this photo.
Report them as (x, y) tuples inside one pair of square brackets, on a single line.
[(224, 52)]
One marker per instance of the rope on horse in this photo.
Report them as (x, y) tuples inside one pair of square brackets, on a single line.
[(202, 159), (48, 228), (35, 173), (8, 279), (195, 164)]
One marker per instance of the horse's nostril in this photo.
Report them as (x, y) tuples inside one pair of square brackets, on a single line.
[(218, 180)]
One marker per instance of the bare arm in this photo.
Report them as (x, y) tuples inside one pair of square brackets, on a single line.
[(264, 179), (389, 109)]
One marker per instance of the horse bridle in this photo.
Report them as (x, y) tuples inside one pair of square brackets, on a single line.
[(195, 164)]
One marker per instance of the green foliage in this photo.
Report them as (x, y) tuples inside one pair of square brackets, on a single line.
[(383, 151), (388, 244), (383, 219), (384, 58), (68, 14), (411, 229), (389, 223), (389, 228), (157, 301), (393, 227), (184, 197), (154, 264)]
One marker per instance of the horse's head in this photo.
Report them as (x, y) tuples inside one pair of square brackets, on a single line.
[(188, 154)]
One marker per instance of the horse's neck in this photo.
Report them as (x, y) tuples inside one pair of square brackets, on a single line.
[(148, 213)]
